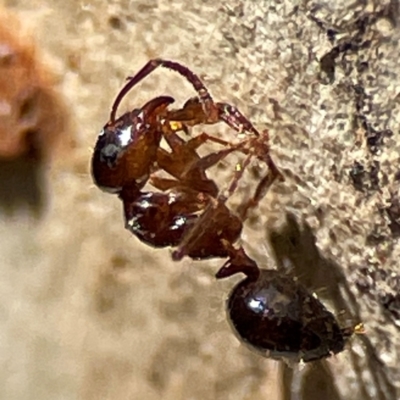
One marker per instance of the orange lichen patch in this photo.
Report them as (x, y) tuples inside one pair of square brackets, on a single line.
[(32, 118)]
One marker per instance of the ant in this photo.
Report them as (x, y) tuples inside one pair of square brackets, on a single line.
[(128, 154), (271, 313)]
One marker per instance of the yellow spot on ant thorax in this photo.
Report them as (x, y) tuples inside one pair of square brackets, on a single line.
[(175, 125)]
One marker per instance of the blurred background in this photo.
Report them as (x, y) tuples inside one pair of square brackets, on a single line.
[(87, 311)]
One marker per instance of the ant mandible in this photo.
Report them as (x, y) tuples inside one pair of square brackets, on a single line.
[(128, 154)]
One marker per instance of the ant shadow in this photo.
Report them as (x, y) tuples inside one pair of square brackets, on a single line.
[(23, 186), (294, 244)]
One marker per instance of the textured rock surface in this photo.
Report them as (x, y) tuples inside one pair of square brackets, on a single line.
[(88, 312)]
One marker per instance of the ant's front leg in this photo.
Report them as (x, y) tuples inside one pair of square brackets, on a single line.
[(194, 113), (257, 146), (176, 143), (204, 95), (184, 164), (235, 119), (203, 108)]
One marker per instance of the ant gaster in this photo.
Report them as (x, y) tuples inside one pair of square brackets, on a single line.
[(277, 317)]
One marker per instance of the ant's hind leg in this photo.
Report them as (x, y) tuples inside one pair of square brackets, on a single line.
[(163, 184), (260, 192), (208, 161), (233, 117), (177, 144)]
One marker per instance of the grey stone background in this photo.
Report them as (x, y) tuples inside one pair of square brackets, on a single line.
[(87, 312)]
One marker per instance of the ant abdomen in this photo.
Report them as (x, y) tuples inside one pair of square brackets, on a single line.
[(278, 318)]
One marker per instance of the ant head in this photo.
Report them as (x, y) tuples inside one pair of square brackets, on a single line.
[(117, 135)]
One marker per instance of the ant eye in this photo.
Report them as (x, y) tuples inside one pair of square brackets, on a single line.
[(279, 318), (109, 154), (108, 147)]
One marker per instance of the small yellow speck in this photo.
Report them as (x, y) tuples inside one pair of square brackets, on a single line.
[(175, 126), (359, 329)]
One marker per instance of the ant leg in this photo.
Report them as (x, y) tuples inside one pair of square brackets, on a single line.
[(196, 82), (193, 113), (238, 261), (209, 160), (239, 170), (235, 119), (260, 192), (197, 141), (212, 112), (184, 164), (176, 143), (201, 164), (163, 184), (258, 148), (261, 150), (190, 169), (183, 159)]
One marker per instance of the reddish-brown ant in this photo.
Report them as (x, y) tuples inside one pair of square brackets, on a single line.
[(269, 312), (128, 153)]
